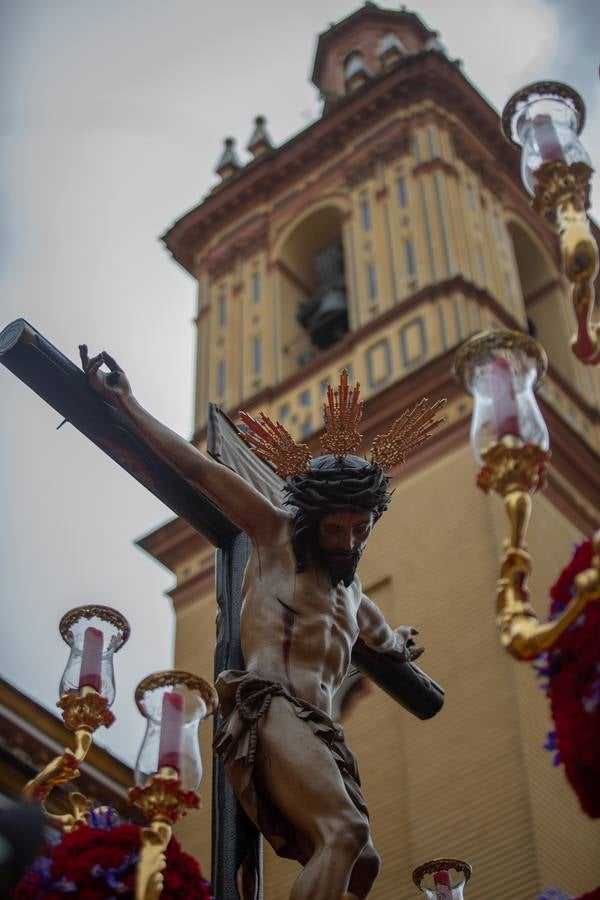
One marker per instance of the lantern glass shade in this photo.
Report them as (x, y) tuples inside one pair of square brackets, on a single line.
[(502, 370), (443, 892), (442, 879), (545, 121), (174, 705), (94, 634)]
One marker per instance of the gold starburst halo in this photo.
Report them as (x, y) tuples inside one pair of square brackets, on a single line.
[(413, 428), (274, 444), (342, 413)]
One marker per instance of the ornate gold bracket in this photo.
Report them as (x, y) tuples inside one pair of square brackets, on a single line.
[(562, 195), (163, 802), (154, 842), (516, 472), (83, 713), (79, 815)]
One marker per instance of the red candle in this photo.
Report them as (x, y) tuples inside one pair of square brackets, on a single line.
[(547, 139), (171, 731), (443, 885), (91, 659), (504, 402)]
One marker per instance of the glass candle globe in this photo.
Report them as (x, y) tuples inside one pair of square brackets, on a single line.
[(501, 370), (174, 704), (442, 879), (94, 634), (545, 120)]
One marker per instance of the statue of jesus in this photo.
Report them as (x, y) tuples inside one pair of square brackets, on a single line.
[(303, 609)]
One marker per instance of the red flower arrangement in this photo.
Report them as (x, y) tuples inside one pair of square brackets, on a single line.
[(98, 861), (572, 670)]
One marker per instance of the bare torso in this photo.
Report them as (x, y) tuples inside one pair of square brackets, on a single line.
[(296, 628)]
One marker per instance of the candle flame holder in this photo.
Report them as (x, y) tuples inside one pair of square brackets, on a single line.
[(84, 709), (514, 467), (545, 120), (165, 793)]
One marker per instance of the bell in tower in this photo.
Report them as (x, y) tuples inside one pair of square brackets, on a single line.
[(325, 316)]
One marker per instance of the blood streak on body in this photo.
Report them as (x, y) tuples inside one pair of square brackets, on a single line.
[(289, 618)]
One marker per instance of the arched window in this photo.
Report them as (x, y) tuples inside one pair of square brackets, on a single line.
[(356, 70), (391, 49), (312, 287)]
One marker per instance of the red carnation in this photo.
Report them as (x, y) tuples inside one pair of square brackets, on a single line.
[(95, 859), (574, 688)]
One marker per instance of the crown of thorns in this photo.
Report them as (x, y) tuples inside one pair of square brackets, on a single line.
[(342, 413)]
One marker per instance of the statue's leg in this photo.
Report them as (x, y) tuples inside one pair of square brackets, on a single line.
[(303, 782), (365, 871)]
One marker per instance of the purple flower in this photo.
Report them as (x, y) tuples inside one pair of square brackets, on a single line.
[(551, 745), (112, 876), (40, 874), (104, 818)]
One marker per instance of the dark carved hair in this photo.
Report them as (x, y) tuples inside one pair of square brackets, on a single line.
[(349, 484)]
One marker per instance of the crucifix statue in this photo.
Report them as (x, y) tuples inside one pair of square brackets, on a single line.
[(303, 612)]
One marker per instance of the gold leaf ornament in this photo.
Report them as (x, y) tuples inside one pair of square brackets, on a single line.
[(409, 431), (342, 413), (274, 444)]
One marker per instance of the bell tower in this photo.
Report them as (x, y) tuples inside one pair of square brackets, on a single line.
[(378, 239)]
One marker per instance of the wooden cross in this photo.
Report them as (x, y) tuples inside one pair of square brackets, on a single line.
[(236, 856)]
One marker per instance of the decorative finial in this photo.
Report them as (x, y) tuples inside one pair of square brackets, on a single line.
[(228, 162), (260, 140)]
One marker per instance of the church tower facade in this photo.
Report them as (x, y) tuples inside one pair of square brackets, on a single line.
[(378, 239)]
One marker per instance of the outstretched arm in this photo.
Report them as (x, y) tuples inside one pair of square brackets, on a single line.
[(245, 506), (377, 634)]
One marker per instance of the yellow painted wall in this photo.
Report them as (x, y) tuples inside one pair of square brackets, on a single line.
[(474, 782)]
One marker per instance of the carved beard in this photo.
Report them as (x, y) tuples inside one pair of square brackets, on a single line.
[(340, 568)]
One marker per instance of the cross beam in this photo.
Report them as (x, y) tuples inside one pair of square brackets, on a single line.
[(236, 867)]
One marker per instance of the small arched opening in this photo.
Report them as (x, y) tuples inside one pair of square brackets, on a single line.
[(356, 71), (391, 50)]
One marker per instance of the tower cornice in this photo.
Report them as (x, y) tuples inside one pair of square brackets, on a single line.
[(427, 75)]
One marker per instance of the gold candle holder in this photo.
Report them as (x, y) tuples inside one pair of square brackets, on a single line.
[(168, 769), (545, 120), (87, 690), (501, 370)]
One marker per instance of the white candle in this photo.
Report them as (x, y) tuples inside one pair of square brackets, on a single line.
[(171, 731), (90, 674)]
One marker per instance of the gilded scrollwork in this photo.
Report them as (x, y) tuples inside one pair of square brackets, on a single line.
[(172, 678), (559, 184), (105, 613), (510, 468), (487, 341), (439, 865), (163, 802), (87, 710), (542, 88), (515, 473)]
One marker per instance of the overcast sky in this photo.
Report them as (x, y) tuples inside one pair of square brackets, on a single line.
[(112, 114)]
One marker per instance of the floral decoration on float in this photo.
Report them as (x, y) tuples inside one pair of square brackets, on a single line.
[(570, 674), (98, 861)]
